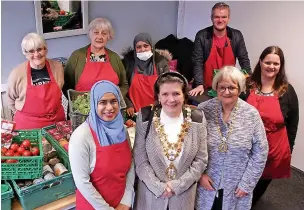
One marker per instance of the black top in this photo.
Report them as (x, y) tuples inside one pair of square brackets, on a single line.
[(290, 109), (40, 76), (202, 48)]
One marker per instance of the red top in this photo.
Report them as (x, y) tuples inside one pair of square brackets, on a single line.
[(279, 155)]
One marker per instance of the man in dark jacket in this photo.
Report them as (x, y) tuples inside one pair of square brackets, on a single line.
[(217, 46)]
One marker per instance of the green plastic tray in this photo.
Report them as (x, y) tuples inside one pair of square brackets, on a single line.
[(26, 167), (53, 141), (6, 197), (47, 191)]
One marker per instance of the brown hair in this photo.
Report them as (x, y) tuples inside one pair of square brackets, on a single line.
[(171, 77), (220, 5), (281, 83)]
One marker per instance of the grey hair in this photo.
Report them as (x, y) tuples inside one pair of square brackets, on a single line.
[(32, 41), (230, 72), (103, 24)]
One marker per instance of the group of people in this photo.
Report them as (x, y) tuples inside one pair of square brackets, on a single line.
[(222, 154)]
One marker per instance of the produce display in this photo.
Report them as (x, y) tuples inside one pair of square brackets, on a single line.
[(7, 128), (82, 104), (23, 149), (62, 133), (51, 166)]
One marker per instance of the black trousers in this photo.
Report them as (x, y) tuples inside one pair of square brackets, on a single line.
[(218, 201), (260, 189)]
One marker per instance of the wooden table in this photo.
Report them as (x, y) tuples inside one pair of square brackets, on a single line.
[(61, 204)]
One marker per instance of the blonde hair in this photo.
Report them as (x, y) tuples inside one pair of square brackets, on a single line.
[(32, 41), (103, 24), (230, 72)]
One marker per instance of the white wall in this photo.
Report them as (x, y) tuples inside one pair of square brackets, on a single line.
[(262, 24)]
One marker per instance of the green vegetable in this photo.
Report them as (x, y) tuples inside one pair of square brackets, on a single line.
[(82, 104)]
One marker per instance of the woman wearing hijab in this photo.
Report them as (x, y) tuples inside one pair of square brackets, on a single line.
[(143, 65), (100, 154)]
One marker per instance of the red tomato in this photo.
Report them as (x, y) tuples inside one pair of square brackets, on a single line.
[(21, 150), (14, 147), (3, 150), (9, 153), (27, 153), (11, 161), (17, 154), (35, 151), (26, 143)]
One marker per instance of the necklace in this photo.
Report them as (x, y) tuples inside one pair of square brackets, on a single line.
[(223, 147), (172, 150), (259, 91)]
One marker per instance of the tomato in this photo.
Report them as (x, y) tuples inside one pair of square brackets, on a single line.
[(21, 150), (17, 154), (9, 153), (11, 161), (3, 150), (27, 153), (62, 12), (35, 151), (26, 143), (14, 147)]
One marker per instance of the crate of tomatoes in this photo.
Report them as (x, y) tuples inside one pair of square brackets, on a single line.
[(56, 181), (59, 135), (22, 157)]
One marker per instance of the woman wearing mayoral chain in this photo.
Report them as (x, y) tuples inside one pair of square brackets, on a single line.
[(170, 148), (237, 146)]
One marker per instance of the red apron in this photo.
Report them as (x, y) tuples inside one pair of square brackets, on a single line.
[(141, 91), (279, 156), (94, 72), (219, 57), (42, 106), (109, 176)]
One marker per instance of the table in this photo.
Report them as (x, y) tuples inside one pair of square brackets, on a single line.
[(65, 203)]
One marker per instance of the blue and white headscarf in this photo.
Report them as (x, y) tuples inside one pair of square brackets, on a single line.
[(108, 132)]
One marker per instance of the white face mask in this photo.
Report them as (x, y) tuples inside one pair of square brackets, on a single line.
[(144, 55)]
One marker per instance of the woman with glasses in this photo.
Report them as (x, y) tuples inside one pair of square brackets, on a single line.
[(237, 146), (95, 62), (277, 102), (34, 87)]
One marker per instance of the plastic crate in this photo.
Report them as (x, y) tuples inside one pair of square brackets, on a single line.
[(53, 141), (26, 167), (76, 117), (48, 191), (6, 197)]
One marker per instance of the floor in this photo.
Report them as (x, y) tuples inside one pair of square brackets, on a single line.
[(284, 194)]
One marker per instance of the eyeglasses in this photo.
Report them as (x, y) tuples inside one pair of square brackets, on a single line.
[(38, 50), (231, 89)]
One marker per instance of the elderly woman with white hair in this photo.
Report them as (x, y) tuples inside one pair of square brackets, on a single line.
[(95, 62), (34, 87), (237, 146)]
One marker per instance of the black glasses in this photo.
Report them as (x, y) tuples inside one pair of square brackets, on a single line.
[(231, 89), (39, 50)]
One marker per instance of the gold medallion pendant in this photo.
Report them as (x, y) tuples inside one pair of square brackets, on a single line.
[(172, 150), (223, 147), (171, 171)]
